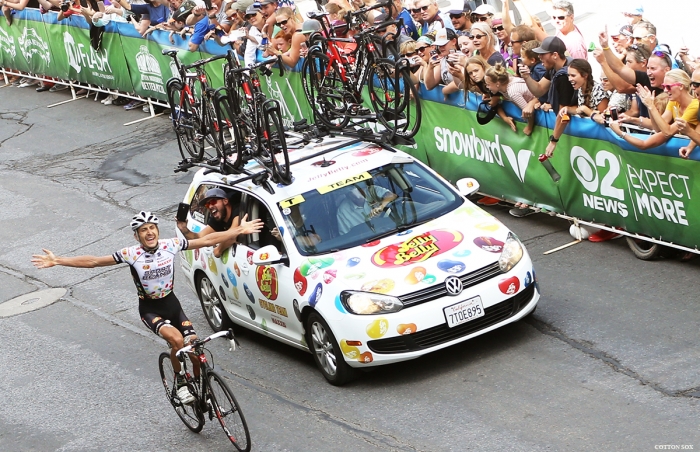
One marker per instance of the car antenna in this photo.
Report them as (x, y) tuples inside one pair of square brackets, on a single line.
[(325, 163)]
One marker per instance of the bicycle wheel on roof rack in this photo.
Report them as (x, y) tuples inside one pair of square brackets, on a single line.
[(394, 97), (274, 143), (184, 123), (324, 90), (226, 133)]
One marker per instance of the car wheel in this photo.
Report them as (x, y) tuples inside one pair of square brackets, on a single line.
[(326, 352), (642, 249), (212, 307)]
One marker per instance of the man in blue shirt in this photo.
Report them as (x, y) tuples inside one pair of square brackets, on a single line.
[(157, 11)]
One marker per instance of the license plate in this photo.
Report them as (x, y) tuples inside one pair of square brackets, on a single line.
[(464, 311)]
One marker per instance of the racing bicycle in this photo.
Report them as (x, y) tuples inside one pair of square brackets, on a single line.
[(255, 120), (334, 80), (212, 395), (194, 119)]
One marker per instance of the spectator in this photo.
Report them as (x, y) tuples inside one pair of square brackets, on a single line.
[(157, 11), (555, 83), (485, 43), (284, 19), (619, 101), (253, 34), (657, 139), (514, 89), (658, 65), (483, 13), (461, 18), (409, 50), (466, 45), (519, 35), (417, 16), (563, 19), (684, 127), (399, 12), (424, 45), (645, 33), (622, 39), (682, 103), (268, 8), (433, 19), (8, 6), (634, 14), (503, 35), (438, 70), (591, 99)]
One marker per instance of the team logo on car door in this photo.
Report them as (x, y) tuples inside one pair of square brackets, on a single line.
[(266, 278)]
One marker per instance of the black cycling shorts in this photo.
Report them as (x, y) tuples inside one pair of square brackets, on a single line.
[(160, 312)]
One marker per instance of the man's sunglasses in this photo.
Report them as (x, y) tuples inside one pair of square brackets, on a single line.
[(558, 17), (456, 16), (640, 38), (480, 18), (421, 8), (516, 42), (282, 23), (497, 28), (211, 202), (695, 84)]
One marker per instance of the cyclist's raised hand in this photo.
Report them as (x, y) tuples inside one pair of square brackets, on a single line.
[(44, 260)]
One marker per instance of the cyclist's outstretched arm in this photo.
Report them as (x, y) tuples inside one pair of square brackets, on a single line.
[(49, 260), (246, 227)]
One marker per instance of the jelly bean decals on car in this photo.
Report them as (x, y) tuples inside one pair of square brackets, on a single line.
[(235, 293), (297, 312), (406, 328), (222, 292), (224, 256), (353, 261), (378, 328), (417, 248), (339, 305), (225, 280), (489, 244), (462, 253), (416, 275), (266, 278), (350, 351), (300, 282), (251, 312), (509, 286), (316, 295), (366, 358), (314, 264), (249, 293), (329, 276), (449, 266), (236, 269), (528, 279)]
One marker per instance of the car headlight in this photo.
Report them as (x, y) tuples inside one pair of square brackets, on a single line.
[(511, 254), (369, 302)]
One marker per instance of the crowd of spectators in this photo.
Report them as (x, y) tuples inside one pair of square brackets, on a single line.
[(469, 47)]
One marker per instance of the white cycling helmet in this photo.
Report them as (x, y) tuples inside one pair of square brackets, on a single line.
[(142, 218)]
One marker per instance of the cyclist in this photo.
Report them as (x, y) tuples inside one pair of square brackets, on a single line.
[(152, 265)]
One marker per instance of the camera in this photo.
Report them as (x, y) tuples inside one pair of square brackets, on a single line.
[(613, 113), (518, 62), (65, 4)]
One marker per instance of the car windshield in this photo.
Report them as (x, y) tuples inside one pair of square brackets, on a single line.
[(366, 207)]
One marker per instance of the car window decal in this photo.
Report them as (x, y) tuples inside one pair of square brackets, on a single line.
[(293, 201), (345, 182)]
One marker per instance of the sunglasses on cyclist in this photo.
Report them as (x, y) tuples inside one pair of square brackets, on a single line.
[(282, 23), (498, 28), (558, 17), (422, 8), (695, 84), (667, 87)]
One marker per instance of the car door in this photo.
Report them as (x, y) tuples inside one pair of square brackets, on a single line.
[(268, 287)]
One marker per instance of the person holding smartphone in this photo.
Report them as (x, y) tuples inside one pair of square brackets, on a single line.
[(440, 63)]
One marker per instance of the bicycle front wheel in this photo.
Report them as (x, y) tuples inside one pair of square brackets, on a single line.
[(394, 98), (276, 142), (191, 415), (228, 412), (185, 122)]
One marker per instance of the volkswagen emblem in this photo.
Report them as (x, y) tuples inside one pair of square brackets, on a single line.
[(453, 285)]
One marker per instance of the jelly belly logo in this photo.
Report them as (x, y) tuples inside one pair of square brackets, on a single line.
[(266, 278), (417, 249), (32, 44), (151, 76)]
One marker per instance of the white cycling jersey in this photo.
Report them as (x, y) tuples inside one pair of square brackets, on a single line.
[(153, 273)]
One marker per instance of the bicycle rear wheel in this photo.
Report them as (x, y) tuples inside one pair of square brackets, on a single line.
[(191, 415), (228, 412), (325, 92), (275, 142), (184, 123), (394, 98)]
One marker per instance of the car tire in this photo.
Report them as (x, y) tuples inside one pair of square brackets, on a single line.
[(326, 351), (212, 306)]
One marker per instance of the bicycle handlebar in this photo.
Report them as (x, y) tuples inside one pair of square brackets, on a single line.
[(198, 342), (275, 59)]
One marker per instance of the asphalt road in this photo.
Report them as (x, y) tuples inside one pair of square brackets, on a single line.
[(609, 361)]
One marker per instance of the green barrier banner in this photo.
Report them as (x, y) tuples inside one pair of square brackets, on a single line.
[(601, 178)]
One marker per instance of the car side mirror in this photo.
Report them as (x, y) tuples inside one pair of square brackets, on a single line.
[(467, 186), (269, 255)]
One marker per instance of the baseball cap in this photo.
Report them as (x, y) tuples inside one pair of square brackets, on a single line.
[(626, 30), (468, 7), (310, 26), (253, 9), (379, 18), (426, 39), (266, 2), (242, 5), (214, 193), (484, 10), (551, 44), (634, 10), (443, 36)]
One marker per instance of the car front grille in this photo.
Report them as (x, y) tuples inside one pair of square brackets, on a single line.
[(438, 290), (442, 333)]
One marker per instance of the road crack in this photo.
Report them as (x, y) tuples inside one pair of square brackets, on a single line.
[(612, 362)]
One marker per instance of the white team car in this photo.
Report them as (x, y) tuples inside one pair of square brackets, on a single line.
[(353, 286)]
